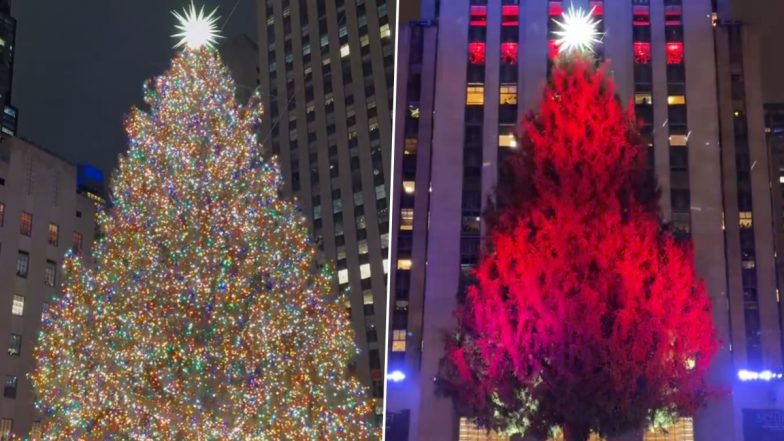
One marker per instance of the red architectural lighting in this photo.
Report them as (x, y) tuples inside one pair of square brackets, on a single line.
[(476, 53), (642, 52), (598, 8), (554, 49), (674, 53), (479, 15), (555, 9), (642, 16), (510, 15), (509, 53)]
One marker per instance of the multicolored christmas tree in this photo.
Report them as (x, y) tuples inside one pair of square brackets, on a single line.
[(205, 315), (586, 315)]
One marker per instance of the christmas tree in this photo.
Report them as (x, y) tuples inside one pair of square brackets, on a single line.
[(586, 314), (205, 315)]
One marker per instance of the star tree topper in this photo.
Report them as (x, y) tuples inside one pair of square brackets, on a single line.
[(197, 29), (578, 31)]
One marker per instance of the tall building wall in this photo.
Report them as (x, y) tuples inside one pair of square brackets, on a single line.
[(326, 79), (41, 217), (672, 61)]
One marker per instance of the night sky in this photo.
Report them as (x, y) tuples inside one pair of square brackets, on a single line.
[(80, 67)]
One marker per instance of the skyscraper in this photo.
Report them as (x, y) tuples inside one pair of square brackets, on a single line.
[(471, 68), (326, 81), (8, 123)]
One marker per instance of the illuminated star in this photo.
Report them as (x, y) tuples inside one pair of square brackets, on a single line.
[(196, 29), (578, 31)]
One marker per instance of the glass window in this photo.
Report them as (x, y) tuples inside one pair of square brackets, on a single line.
[(76, 246), (50, 273), (746, 220), (404, 264), (509, 94), (26, 224), (54, 233), (407, 219), (343, 276), (676, 100), (364, 271), (15, 345), (22, 263), (17, 305), (409, 187), (475, 95), (399, 340), (2, 214), (6, 424), (679, 140), (507, 140), (9, 391), (644, 98)]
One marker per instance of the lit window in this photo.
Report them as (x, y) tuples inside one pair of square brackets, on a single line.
[(476, 53), (15, 345), (367, 297), (22, 264), (644, 98), (508, 94), (2, 214), (475, 95), (26, 224), (507, 141), (364, 40), (509, 53), (6, 424), (50, 273), (399, 340), (478, 15), (385, 265), (413, 111), (36, 432), (746, 220), (404, 264), (17, 305), (676, 100), (679, 140), (781, 179), (553, 49), (344, 51), (343, 276), (364, 271), (674, 53), (555, 9), (76, 245), (411, 146), (409, 186), (54, 233), (9, 391), (642, 52), (385, 32), (471, 432), (509, 15), (407, 219)]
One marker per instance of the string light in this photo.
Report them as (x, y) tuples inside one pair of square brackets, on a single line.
[(205, 316)]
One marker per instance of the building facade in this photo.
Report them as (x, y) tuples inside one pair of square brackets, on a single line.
[(43, 215), (471, 69), (8, 122), (326, 77), (241, 54)]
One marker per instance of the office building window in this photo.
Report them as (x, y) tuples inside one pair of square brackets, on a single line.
[(6, 424), (406, 219), (54, 233), (475, 95), (15, 345), (2, 214), (364, 271), (26, 224), (399, 340), (76, 245), (9, 391), (508, 94), (50, 273), (17, 305), (22, 263)]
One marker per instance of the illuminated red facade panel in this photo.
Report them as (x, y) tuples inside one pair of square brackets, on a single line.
[(674, 53), (510, 15), (642, 52), (509, 53), (476, 53), (597, 8), (555, 9), (478, 15), (554, 49), (642, 16)]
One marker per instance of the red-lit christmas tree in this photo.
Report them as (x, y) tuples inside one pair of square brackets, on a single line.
[(586, 314)]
